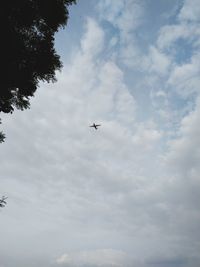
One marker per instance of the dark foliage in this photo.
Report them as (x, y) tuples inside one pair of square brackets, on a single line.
[(2, 136), (27, 48), (3, 202)]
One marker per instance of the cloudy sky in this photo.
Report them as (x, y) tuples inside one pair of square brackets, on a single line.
[(128, 194)]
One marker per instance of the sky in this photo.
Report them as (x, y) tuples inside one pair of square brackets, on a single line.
[(128, 194)]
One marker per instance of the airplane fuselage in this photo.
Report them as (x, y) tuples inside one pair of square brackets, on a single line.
[(95, 126)]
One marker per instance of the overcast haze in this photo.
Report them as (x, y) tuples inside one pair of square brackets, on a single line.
[(128, 194)]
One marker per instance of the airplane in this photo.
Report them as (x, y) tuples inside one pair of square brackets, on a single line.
[(95, 126), (3, 202)]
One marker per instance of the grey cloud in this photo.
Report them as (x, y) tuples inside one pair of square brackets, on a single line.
[(168, 262)]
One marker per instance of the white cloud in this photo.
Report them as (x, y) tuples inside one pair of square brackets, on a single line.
[(190, 11), (185, 78), (65, 258), (126, 17), (146, 135), (92, 42), (186, 30), (184, 153), (96, 258), (169, 34), (157, 61)]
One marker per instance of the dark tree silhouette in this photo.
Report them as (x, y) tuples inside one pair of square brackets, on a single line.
[(2, 136), (3, 202), (27, 48)]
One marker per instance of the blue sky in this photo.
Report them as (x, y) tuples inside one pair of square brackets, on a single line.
[(126, 195)]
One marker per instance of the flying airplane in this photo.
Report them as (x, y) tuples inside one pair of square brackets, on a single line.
[(95, 126)]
